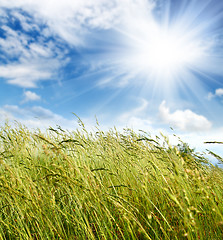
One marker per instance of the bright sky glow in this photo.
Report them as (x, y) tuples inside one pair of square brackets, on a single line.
[(145, 64), (165, 53)]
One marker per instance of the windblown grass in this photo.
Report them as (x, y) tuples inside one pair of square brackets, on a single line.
[(80, 185)]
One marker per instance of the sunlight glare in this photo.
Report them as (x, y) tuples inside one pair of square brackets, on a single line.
[(166, 52)]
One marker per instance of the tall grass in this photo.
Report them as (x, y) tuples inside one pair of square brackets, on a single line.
[(106, 185)]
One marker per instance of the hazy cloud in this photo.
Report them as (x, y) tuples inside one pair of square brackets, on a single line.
[(71, 20), (30, 96), (135, 111), (218, 93), (136, 118), (184, 120), (24, 74)]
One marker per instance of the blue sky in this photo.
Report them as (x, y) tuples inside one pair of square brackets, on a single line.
[(144, 64)]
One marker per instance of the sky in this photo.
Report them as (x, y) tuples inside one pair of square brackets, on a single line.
[(152, 65)]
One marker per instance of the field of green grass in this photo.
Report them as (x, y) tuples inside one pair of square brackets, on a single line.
[(105, 185)]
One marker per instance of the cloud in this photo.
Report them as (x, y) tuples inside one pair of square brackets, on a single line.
[(71, 20), (26, 21), (13, 44), (186, 120), (218, 93), (27, 59), (63, 18), (30, 96), (24, 74)]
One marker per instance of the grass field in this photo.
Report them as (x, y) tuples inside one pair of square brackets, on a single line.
[(105, 185)]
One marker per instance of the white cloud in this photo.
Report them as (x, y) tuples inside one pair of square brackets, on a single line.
[(30, 96), (14, 44), (25, 21), (28, 61), (184, 120), (71, 20), (24, 75), (218, 93), (40, 50)]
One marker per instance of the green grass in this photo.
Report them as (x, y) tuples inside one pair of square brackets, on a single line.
[(106, 185)]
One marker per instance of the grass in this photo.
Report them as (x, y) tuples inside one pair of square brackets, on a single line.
[(106, 185)]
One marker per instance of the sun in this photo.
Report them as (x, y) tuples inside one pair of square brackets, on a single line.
[(160, 52), (165, 52)]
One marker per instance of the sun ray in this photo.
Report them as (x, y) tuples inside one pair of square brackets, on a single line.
[(164, 49)]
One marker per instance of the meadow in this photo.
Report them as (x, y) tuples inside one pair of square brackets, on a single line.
[(105, 185)]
